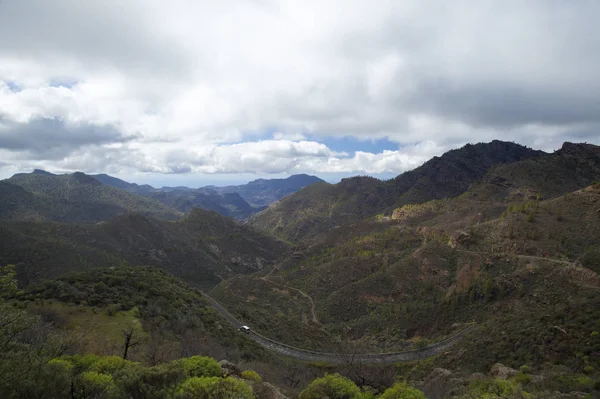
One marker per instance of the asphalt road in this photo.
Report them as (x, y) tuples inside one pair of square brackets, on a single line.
[(340, 358)]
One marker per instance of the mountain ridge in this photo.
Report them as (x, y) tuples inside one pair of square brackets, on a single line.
[(306, 214)]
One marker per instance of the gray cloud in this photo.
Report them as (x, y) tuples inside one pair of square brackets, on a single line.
[(54, 139), (180, 81)]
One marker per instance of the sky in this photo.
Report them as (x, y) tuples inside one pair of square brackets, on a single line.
[(205, 92)]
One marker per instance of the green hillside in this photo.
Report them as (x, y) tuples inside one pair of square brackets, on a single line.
[(72, 198), (203, 248)]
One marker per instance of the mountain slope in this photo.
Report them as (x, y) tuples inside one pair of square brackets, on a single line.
[(73, 198), (202, 248), (520, 247), (319, 208), (397, 282)]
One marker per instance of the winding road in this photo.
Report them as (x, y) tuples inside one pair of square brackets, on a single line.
[(340, 358)]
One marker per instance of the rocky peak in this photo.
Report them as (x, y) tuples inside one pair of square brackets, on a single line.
[(82, 178), (579, 149)]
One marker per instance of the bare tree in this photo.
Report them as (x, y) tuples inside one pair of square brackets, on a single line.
[(133, 337)]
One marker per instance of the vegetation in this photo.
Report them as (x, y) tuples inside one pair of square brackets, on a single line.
[(332, 386), (202, 248), (494, 234), (71, 198), (175, 319), (90, 376), (321, 207)]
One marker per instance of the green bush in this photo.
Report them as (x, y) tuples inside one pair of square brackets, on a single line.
[(525, 369), (494, 389), (332, 386), (201, 366), (111, 364), (402, 391), (214, 387), (522, 378), (152, 382), (251, 375), (98, 385)]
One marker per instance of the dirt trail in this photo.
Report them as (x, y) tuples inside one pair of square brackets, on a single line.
[(313, 307), (530, 257)]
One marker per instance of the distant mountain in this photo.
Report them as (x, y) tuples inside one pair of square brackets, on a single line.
[(238, 202), (229, 204), (321, 207), (263, 192), (123, 185), (76, 197), (202, 248)]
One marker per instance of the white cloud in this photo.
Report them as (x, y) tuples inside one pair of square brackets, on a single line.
[(189, 78)]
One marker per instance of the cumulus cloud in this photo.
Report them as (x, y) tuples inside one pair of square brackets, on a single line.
[(192, 86)]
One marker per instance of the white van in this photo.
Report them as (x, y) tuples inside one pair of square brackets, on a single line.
[(245, 329)]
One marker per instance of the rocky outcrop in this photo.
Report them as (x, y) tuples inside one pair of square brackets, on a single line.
[(267, 391), (229, 369), (503, 372)]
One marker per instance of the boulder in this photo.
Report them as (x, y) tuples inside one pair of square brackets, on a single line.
[(267, 391), (229, 368), (503, 372), (438, 383)]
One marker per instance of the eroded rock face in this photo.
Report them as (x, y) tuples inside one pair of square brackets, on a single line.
[(229, 369), (503, 372), (439, 382)]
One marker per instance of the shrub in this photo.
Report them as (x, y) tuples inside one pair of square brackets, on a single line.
[(111, 364), (201, 366), (568, 383), (332, 386), (151, 382), (251, 375), (525, 369), (215, 387), (522, 378), (402, 391), (113, 309), (589, 369), (98, 385), (494, 389)]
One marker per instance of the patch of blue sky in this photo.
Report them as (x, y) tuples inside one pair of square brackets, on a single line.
[(350, 145), (68, 83), (12, 86)]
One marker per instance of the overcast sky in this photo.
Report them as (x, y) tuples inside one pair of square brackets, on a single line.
[(194, 92)]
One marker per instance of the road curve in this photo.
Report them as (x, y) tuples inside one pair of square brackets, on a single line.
[(340, 358)]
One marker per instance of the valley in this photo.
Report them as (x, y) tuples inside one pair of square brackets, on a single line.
[(481, 266)]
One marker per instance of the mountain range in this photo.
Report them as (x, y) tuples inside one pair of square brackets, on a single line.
[(496, 237), (78, 197)]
